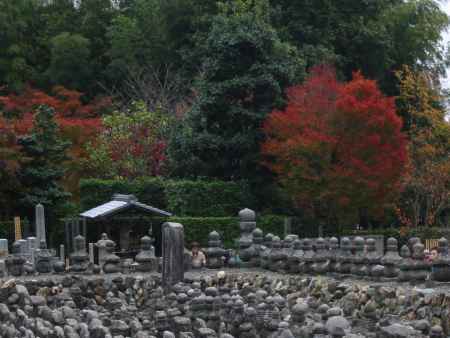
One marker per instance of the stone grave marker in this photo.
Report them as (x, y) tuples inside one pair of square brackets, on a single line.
[(173, 248)]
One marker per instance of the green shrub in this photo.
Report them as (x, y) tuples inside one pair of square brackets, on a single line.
[(94, 192), (207, 198), (180, 197), (198, 228)]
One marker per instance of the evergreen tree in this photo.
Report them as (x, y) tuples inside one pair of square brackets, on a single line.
[(42, 170), (245, 68)]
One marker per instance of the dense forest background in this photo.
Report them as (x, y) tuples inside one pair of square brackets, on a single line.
[(183, 90)]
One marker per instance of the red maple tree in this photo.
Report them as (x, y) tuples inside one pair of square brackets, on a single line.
[(337, 147)]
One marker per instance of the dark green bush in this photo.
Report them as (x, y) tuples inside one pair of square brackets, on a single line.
[(197, 229), (207, 198), (182, 198), (94, 192)]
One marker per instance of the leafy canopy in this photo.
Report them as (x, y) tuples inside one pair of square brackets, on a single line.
[(337, 147)]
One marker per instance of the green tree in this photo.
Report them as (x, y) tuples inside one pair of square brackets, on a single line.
[(132, 144), (70, 61), (22, 53), (41, 171), (376, 37), (245, 68)]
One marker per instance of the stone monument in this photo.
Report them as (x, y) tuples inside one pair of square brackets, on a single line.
[(247, 223), (79, 259), (265, 251), (3, 254), (344, 260), (277, 256), (321, 260), (146, 257), (294, 257), (173, 247), (358, 267), (15, 262), (405, 266), (40, 223), (101, 246), (373, 259), (214, 252), (391, 259), (112, 261), (306, 261), (333, 253), (43, 259)]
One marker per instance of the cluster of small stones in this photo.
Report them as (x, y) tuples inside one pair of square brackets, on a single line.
[(227, 305)]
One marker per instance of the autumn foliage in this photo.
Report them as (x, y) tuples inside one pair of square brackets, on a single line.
[(336, 146), (78, 122)]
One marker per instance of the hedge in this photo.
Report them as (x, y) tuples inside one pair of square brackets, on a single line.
[(197, 229), (180, 197)]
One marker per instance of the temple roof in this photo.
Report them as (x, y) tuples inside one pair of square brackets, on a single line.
[(120, 203)]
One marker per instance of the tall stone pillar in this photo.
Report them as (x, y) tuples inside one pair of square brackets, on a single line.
[(173, 249), (40, 223)]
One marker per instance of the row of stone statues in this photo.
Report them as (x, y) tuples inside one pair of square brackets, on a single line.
[(357, 257), (43, 260)]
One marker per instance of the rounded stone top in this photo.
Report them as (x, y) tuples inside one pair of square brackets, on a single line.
[(443, 242), (268, 237), (250, 311), (276, 239), (405, 252), (247, 215), (418, 250), (334, 240), (300, 308), (391, 241), (257, 232), (358, 241), (320, 243), (297, 244), (214, 236), (345, 241), (370, 242)]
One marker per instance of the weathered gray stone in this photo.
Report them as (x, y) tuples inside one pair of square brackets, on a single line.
[(173, 248)]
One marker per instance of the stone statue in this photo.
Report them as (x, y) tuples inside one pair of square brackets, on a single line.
[(307, 259), (15, 262), (405, 266), (79, 259), (358, 267), (321, 260), (146, 259), (294, 257), (247, 223), (214, 252), (112, 261), (333, 253), (344, 260), (391, 259), (277, 257), (256, 247), (421, 268), (265, 251), (441, 265), (43, 258), (373, 259), (101, 246)]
